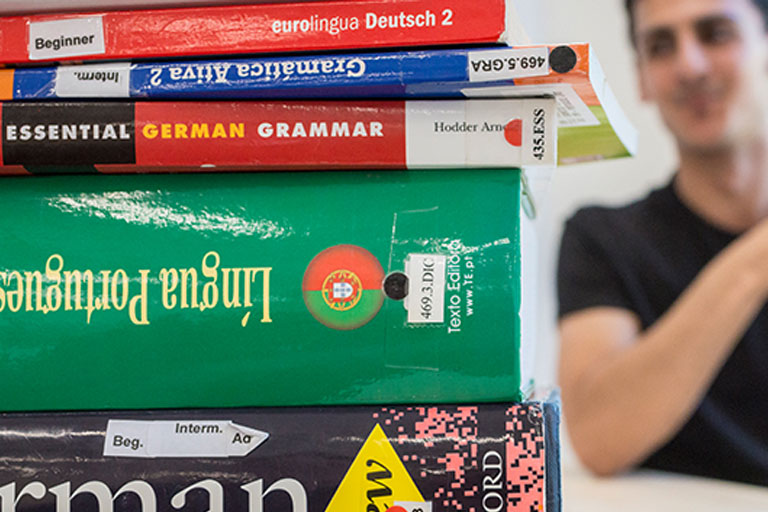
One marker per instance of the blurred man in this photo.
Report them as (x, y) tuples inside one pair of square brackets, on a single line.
[(663, 318)]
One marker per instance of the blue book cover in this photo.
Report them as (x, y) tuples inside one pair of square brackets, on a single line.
[(592, 125), (444, 72)]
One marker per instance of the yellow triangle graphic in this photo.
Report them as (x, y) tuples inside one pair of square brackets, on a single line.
[(376, 477)]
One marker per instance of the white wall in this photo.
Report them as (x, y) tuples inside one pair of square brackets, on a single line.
[(601, 23)]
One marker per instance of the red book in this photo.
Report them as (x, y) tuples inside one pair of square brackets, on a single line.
[(13, 7), (254, 28), (259, 135)]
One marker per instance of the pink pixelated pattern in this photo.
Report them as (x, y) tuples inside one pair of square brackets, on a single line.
[(443, 453), (525, 459)]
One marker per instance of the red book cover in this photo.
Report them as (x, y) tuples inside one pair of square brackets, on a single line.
[(254, 28), (114, 137), (15, 7)]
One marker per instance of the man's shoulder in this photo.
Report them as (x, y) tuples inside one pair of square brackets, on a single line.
[(645, 215), (625, 256)]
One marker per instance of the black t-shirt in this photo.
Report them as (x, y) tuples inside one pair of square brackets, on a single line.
[(641, 257)]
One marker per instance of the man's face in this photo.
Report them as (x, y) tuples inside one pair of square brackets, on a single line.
[(705, 63)]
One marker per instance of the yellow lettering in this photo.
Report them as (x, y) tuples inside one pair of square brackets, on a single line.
[(120, 278), (91, 304), (165, 131), (181, 131), (237, 130), (53, 296), (104, 290), (76, 277), (200, 131), (139, 302), (234, 301), (48, 291), (210, 289), (149, 131), (192, 274), (219, 131), (265, 317), (16, 297), (250, 277), (3, 282), (38, 292), (169, 285)]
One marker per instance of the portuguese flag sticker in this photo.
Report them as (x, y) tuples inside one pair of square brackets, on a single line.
[(343, 287)]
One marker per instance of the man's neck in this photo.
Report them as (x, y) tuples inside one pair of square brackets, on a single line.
[(728, 188)]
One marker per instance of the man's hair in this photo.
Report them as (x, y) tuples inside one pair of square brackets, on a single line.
[(630, 4)]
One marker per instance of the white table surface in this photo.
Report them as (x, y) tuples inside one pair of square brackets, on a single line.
[(654, 491)]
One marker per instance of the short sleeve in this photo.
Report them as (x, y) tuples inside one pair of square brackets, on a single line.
[(588, 272)]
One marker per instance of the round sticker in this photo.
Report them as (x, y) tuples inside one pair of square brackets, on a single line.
[(343, 287)]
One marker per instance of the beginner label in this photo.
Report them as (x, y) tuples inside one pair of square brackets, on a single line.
[(425, 301), (66, 38)]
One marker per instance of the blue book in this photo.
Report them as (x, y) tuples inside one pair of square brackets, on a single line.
[(592, 125)]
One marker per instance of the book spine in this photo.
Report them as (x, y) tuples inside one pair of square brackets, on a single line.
[(394, 458), (385, 74), (192, 136), (16, 7), (302, 26), (151, 291)]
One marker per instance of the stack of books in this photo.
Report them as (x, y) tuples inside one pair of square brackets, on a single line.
[(309, 286)]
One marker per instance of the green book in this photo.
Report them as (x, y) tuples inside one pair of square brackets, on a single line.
[(159, 291)]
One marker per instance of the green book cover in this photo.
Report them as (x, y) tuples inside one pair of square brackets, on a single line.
[(156, 291)]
